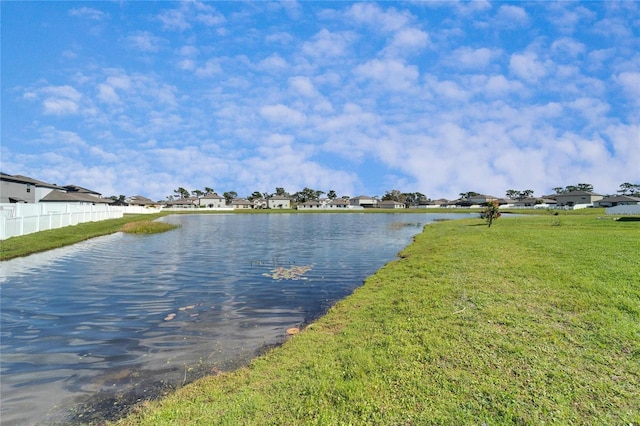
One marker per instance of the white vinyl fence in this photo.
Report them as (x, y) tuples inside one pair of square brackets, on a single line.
[(26, 218), (624, 210)]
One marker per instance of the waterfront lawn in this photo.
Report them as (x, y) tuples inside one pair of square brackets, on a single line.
[(534, 320), (60, 237)]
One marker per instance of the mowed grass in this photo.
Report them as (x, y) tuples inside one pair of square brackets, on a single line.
[(535, 320), (55, 238)]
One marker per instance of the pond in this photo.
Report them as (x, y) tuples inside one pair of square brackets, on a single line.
[(90, 329)]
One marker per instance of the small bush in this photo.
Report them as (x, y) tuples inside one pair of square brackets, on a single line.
[(147, 227)]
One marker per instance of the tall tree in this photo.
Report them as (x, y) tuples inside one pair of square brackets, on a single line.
[(587, 187), (332, 195), (197, 193), (281, 192), (181, 192), (208, 190), (255, 195), (306, 194), (558, 190), (512, 194), (629, 189), (229, 196)]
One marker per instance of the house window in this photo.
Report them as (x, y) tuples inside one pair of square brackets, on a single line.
[(28, 187)]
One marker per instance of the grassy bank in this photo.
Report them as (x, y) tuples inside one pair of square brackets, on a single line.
[(54, 238), (534, 320)]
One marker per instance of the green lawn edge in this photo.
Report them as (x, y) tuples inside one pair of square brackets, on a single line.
[(535, 320)]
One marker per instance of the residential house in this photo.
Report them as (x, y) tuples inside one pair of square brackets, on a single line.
[(433, 204), (338, 203), (363, 201), (481, 200), (23, 189), (241, 204), (391, 204), (139, 200), (182, 203), (259, 203), (532, 202), (617, 200), (74, 189), (57, 196), (577, 199), (309, 205), (278, 202), (212, 201)]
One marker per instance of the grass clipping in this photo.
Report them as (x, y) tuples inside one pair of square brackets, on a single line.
[(147, 227)]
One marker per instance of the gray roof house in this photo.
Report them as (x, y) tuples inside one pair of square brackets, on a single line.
[(23, 189), (577, 198), (241, 203), (391, 204), (617, 200), (363, 201)]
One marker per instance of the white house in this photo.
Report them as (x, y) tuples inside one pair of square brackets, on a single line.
[(391, 204), (212, 201), (278, 202)]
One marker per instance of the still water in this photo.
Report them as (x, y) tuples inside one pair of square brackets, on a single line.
[(88, 329)]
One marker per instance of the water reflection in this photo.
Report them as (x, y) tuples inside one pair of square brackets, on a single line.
[(122, 317)]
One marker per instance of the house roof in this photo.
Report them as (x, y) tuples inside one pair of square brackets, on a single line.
[(339, 201), (577, 193), (240, 202), (279, 197), (212, 196), (56, 195), (76, 188), (26, 179), (619, 198), (139, 199)]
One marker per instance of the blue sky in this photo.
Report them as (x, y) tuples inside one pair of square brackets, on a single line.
[(140, 98)]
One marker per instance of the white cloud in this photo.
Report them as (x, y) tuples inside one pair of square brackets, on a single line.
[(303, 86), (630, 84), (107, 94), (390, 74), (282, 114), (145, 41), (60, 100), (189, 12), (407, 41), (326, 44), (371, 14), (511, 16), (467, 58), (210, 68), (89, 13), (528, 67)]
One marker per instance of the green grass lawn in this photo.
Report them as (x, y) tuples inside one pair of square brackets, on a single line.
[(54, 238), (535, 320)]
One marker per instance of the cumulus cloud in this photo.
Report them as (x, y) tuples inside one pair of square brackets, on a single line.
[(60, 100), (528, 66), (282, 114), (145, 41)]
